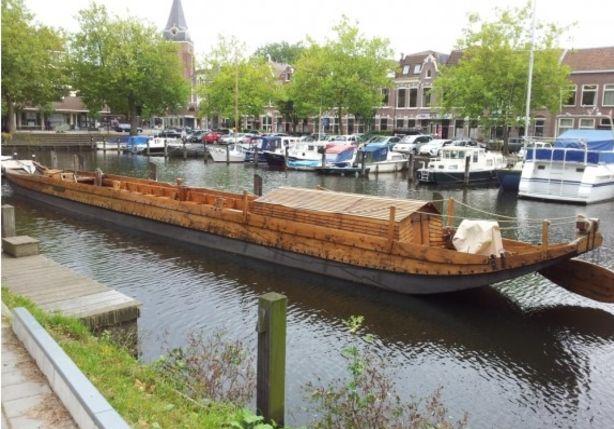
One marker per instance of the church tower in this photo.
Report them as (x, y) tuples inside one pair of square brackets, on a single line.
[(176, 30)]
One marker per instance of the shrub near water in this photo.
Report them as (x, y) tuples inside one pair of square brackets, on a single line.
[(368, 398), (212, 368)]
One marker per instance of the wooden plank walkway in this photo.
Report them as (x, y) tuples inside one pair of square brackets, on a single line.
[(56, 288)]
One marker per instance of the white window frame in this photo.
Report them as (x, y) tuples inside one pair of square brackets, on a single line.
[(559, 127), (594, 99), (398, 98), (575, 96), (417, 68), (542, 125), (430, 97), (605, 122), (592, 123), (409, 106), (608, 87), (406, 69)]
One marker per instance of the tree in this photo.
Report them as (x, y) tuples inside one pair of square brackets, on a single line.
[(235, 85), (126, 65), (346, 74), (33, 71), (490, 82), (280, 52)]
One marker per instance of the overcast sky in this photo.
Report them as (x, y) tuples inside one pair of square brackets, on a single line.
[(410, 25)]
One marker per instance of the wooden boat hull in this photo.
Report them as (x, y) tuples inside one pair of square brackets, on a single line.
[(392, 281)]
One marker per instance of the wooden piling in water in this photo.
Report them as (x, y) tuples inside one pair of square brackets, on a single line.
[(271, 366), (8, 220), (153, 171), (467, 165), (54, 159), (257, 185)]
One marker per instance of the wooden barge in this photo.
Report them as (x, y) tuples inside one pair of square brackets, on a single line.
[(394, 244)]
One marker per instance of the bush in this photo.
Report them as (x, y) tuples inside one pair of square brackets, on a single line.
[(211, 369), (368, 398)]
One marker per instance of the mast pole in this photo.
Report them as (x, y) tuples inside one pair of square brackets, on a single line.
[(527, 117)]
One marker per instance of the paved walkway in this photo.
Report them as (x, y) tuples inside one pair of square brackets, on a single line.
[(27, 399)]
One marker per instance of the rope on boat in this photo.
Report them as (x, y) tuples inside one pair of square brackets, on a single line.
[(552, 225), (511, 217)]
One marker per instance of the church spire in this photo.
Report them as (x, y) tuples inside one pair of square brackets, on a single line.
[(176, 27)]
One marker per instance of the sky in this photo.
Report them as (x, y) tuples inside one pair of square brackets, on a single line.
[(409, 25)]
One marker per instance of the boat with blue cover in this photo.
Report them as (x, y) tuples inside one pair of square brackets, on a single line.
[(579, 168)]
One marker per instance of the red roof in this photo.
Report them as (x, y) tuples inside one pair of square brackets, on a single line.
[(590, 59)]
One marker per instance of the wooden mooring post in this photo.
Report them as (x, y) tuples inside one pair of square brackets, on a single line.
[(256, 157), (8, 220), (165, 149), (153, 171), (271, 367), (411, 166), (467, 165), (257, 185), (227, 154), (54, 159)]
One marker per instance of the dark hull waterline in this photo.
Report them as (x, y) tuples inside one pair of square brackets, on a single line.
[(391, 281)]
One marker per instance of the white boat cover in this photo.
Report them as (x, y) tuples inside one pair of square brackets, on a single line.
[(480, 237)]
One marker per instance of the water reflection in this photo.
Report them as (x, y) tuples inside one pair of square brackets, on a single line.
[(522, 351)]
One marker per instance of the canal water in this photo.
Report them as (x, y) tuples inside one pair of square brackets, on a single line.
[(523, 353)]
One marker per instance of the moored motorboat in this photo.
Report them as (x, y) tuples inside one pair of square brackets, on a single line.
[(509, 177), (380, 158), (395, 244), (460, 164), (579, 168), (227, 153)]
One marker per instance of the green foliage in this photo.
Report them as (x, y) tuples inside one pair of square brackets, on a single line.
[(33, 68), (280, 52), (230, 76), (247, 420), (211, 369), (140, 393), (368, 398), (345, 74), (126, 65), (490, 82)]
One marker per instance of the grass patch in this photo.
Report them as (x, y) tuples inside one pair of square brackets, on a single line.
[(144, 397)]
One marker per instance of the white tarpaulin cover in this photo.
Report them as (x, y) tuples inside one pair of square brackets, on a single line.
[(480, 237)]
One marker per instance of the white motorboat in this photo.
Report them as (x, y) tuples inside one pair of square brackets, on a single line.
[(227, 153), (380, 158), (449, 168), (579, 168)]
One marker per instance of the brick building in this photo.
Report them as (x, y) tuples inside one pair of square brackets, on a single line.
[(589, 103), (409, 104)]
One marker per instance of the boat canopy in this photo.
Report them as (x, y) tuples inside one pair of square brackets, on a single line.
[(376, 152), (345, 155), (134, 140), (270, 143), (344, 203), (594, 139)]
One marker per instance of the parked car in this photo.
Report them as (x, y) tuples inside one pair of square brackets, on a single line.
[(433, 147), (196, 136), (170, 133), (387, 140), (211, 137), (125, 128), (469, 142), (412, 143)]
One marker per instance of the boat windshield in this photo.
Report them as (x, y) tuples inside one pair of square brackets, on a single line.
[(454, 154)]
